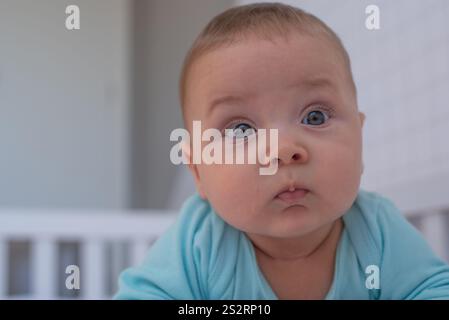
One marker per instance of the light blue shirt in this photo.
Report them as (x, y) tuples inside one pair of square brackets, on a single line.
[(203, 257)]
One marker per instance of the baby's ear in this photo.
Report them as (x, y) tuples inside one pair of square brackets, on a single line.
[(185, 147), (362, 118), (193, 168)]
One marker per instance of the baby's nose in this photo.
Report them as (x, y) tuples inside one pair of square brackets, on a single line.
[(291, 152)]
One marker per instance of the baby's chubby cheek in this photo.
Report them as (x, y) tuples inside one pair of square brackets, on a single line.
[(337, 177), (233, 190)]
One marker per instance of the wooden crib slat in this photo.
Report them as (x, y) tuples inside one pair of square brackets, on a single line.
[(93, 269), (138, 250), (434, 229), (44, 271)]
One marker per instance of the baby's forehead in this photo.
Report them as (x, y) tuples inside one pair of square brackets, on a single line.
[(255, 58), (256, 66)]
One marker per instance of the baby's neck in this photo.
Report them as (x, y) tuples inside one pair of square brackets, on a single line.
[(324, 239)]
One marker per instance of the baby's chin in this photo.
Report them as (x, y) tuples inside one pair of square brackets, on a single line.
[(274, 221)]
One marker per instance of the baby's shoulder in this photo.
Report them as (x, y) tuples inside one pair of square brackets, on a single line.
[(200, 225), (377, 210), (371, 219)]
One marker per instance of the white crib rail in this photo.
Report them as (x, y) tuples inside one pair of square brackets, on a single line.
[(92, 229), (434, 226), (44, 228)]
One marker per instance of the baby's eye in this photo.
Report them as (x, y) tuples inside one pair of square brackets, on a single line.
[(316, 117), (239, 131)]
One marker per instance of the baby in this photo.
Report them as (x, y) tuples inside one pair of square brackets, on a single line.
[(307, 231)]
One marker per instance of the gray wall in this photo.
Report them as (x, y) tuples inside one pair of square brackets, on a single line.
[(85, 115), (64, 104), (163, 32)]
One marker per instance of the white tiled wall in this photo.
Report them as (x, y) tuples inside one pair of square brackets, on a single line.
[(405, 94)]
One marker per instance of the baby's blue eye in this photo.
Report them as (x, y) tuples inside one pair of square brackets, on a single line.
[(239, 131), (315, 118)]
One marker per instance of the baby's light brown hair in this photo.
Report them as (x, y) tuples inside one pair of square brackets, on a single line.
[(265, 21)]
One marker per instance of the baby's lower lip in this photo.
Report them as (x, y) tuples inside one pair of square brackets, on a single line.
[(291, 197)]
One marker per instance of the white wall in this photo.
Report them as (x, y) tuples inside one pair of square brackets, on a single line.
[(64, 104)]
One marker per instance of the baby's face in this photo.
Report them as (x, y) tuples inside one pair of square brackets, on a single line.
[(301, 88)]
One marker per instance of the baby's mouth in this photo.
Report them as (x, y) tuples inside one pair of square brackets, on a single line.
[(292, 195)]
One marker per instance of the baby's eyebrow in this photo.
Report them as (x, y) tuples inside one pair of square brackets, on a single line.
[(225, 99), (317, 82)]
